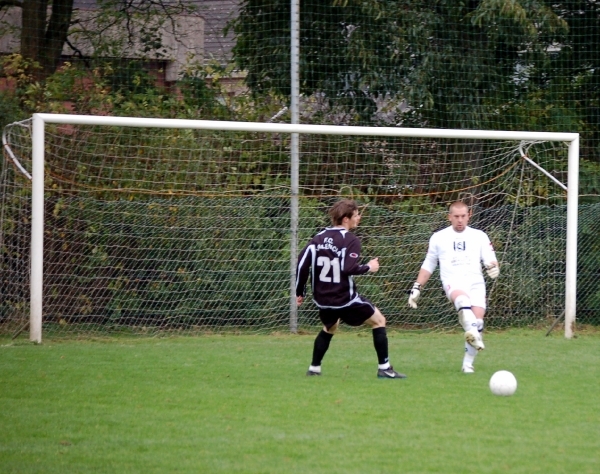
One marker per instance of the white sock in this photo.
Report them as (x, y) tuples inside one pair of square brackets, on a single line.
[(384, 366), (470, 353), (315, 368), (466, 317)]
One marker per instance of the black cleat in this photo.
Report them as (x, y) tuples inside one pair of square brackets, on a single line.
[(310, 372), (389, 373)]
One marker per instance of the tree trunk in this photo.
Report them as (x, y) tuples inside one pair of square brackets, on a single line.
[(56, 35), (42, 41), (33, 27)]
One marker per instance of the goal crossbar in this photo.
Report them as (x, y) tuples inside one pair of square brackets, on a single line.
[(303, 128)]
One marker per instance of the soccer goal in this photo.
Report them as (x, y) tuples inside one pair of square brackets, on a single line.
[(145, 225)]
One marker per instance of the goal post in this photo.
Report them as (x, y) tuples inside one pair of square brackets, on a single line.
[(378, 142)]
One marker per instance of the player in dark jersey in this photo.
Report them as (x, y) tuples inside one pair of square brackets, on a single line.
[(331, 259)]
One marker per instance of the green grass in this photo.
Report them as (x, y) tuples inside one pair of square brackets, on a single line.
[(228, 404)]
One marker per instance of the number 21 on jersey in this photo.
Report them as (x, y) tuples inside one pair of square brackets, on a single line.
[(330, 270)]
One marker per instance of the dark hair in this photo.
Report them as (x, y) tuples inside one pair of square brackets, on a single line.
[(341, 209)]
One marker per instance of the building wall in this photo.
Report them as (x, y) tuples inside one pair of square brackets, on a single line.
[(182, 41)]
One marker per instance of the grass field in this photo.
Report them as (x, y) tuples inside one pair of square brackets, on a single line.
[(242, 404)]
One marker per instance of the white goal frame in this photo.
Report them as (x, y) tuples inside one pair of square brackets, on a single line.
[(37, 218)]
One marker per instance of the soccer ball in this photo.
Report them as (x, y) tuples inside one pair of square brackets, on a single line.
[(503, 383)]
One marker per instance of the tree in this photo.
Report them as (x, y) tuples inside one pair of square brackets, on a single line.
[(576, 59), (451, 61), (46, 25), (42, 39)]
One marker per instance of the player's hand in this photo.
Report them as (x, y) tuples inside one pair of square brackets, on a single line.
[(492, 270), (374, 264), (414, 295), (299, 300)]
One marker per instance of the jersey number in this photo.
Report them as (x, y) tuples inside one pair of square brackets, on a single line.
[(329, 265)]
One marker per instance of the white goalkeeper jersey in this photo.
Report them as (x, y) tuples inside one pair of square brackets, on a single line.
[(459, 254)]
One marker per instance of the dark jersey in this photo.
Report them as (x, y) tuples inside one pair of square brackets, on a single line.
[(331, 258)]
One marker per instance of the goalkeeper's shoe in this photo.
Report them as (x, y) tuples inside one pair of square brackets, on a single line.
[(389, 373), (468, 369), (474, 339)]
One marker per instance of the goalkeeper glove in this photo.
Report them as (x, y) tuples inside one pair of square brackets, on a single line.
[(414, 295), (493, 271)]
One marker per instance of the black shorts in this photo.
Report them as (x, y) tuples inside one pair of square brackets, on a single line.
[(354, 315)]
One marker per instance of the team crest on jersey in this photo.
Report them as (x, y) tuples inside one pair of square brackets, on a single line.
[(354, 255), (460, 246)]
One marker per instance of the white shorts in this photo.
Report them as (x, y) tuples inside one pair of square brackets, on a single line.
[(475, 290)]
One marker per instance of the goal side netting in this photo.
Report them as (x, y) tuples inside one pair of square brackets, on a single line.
[(155, 226)]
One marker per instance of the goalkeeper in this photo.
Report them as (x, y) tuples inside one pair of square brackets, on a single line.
[(460, 251)]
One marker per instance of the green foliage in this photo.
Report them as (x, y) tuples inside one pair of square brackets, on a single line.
[(128, 78), (542, 110), (588, 263), (589, 181), (10, 111), (335, 60), (19, 74), (113, 87), (203, 92), (145, 294), (451, 61)]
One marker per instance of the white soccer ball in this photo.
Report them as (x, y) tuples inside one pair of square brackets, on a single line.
[(503, 383)]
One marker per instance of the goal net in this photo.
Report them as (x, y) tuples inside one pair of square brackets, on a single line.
[(156, 225)]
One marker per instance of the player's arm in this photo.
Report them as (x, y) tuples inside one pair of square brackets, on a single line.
[(425, 272), (488, 257), (373, 265), (352, 264), (492, 269), (303, 271), (423, 276), (415, 291)]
